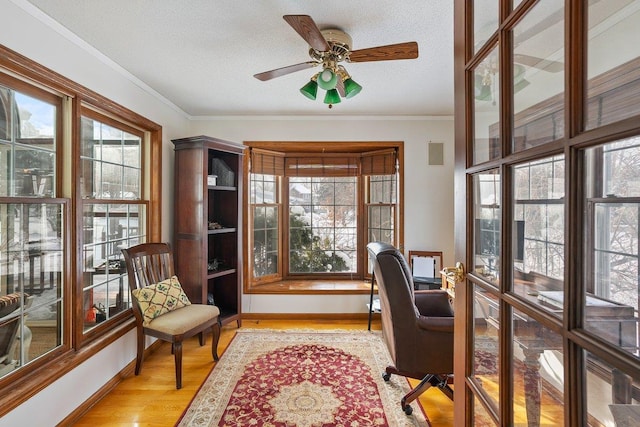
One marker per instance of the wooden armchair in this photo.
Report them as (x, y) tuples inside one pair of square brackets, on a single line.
[(161, 308)]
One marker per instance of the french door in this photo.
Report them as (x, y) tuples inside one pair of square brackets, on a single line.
[(547, 212)]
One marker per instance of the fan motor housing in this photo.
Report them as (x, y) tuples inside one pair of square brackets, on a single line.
[(339, 41)]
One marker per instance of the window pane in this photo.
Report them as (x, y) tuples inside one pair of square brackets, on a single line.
[(486, 109), (265, 241), (107, 229), (111, 160), (611, 395), (31, 272), (322, 224), (538, 75), (486, 328), (613, 74), (382, 188), (538, 373), (28, 148), (37, 122), (538, 232), (487, 214), (613, 212), (34, 172)]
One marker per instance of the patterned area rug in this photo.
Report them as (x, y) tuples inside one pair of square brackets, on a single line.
[(299, 378)]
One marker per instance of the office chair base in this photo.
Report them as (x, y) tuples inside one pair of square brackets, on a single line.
[(430, 380)]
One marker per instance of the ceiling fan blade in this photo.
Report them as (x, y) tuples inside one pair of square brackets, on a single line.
[(340, 87), (408, 50), (308, 30), (543, 64), (272, 74)]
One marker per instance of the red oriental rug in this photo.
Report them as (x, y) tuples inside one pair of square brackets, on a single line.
[(294, 378)]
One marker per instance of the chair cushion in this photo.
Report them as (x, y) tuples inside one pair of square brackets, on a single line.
[(160, 298), (179, 321)]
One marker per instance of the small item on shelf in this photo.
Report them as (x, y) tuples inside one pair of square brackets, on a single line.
[(212, 180), (213, 265), (210, 300), (213, 225)]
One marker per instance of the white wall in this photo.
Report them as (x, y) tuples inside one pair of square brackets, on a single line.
[(428, 189)]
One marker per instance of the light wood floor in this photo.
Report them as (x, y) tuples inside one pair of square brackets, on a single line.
[(151, 399)]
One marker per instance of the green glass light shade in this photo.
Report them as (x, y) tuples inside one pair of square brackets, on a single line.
[(310, 90), (351, 88), (332, 97), (327, 79)]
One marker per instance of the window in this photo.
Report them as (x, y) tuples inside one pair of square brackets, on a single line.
[(32, 226), (114, 215), (322, 224), (75, 187), (333, 204), (613, 217)]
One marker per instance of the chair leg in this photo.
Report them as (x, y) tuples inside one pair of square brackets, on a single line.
[(427, 382), (177, 352), (215, 330), (423, 386), (140, 353), (202, 338)]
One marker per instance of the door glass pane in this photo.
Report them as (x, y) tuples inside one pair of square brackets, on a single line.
[(487, 214), (485, 21), (538, 76), (538, 373), (613, 68), (538, 232), (613, 207), (612, 398), (486, 328), (481, 417), (486, 109)]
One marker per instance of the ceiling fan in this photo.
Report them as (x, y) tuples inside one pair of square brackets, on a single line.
[(328, 48)]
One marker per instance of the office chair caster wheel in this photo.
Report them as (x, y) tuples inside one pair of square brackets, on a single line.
[(407, 409), (386, 376)]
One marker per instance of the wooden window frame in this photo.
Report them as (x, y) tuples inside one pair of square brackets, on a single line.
[(315, 150), (22, 384)]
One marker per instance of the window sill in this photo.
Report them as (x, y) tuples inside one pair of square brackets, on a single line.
[(310, 287)]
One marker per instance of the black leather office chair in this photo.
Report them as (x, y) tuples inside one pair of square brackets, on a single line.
[(417, 326)]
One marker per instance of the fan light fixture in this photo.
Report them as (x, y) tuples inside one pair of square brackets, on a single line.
[(335, 80)]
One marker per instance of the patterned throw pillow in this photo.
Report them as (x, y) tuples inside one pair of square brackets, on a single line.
[(159, 298)]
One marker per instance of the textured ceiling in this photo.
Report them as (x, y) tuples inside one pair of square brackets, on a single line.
[(202, 54)]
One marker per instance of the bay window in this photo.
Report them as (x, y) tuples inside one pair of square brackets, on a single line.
[(313, 210)]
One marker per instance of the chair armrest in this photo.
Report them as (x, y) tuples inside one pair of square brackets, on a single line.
[(436, 324), (434, 303)]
